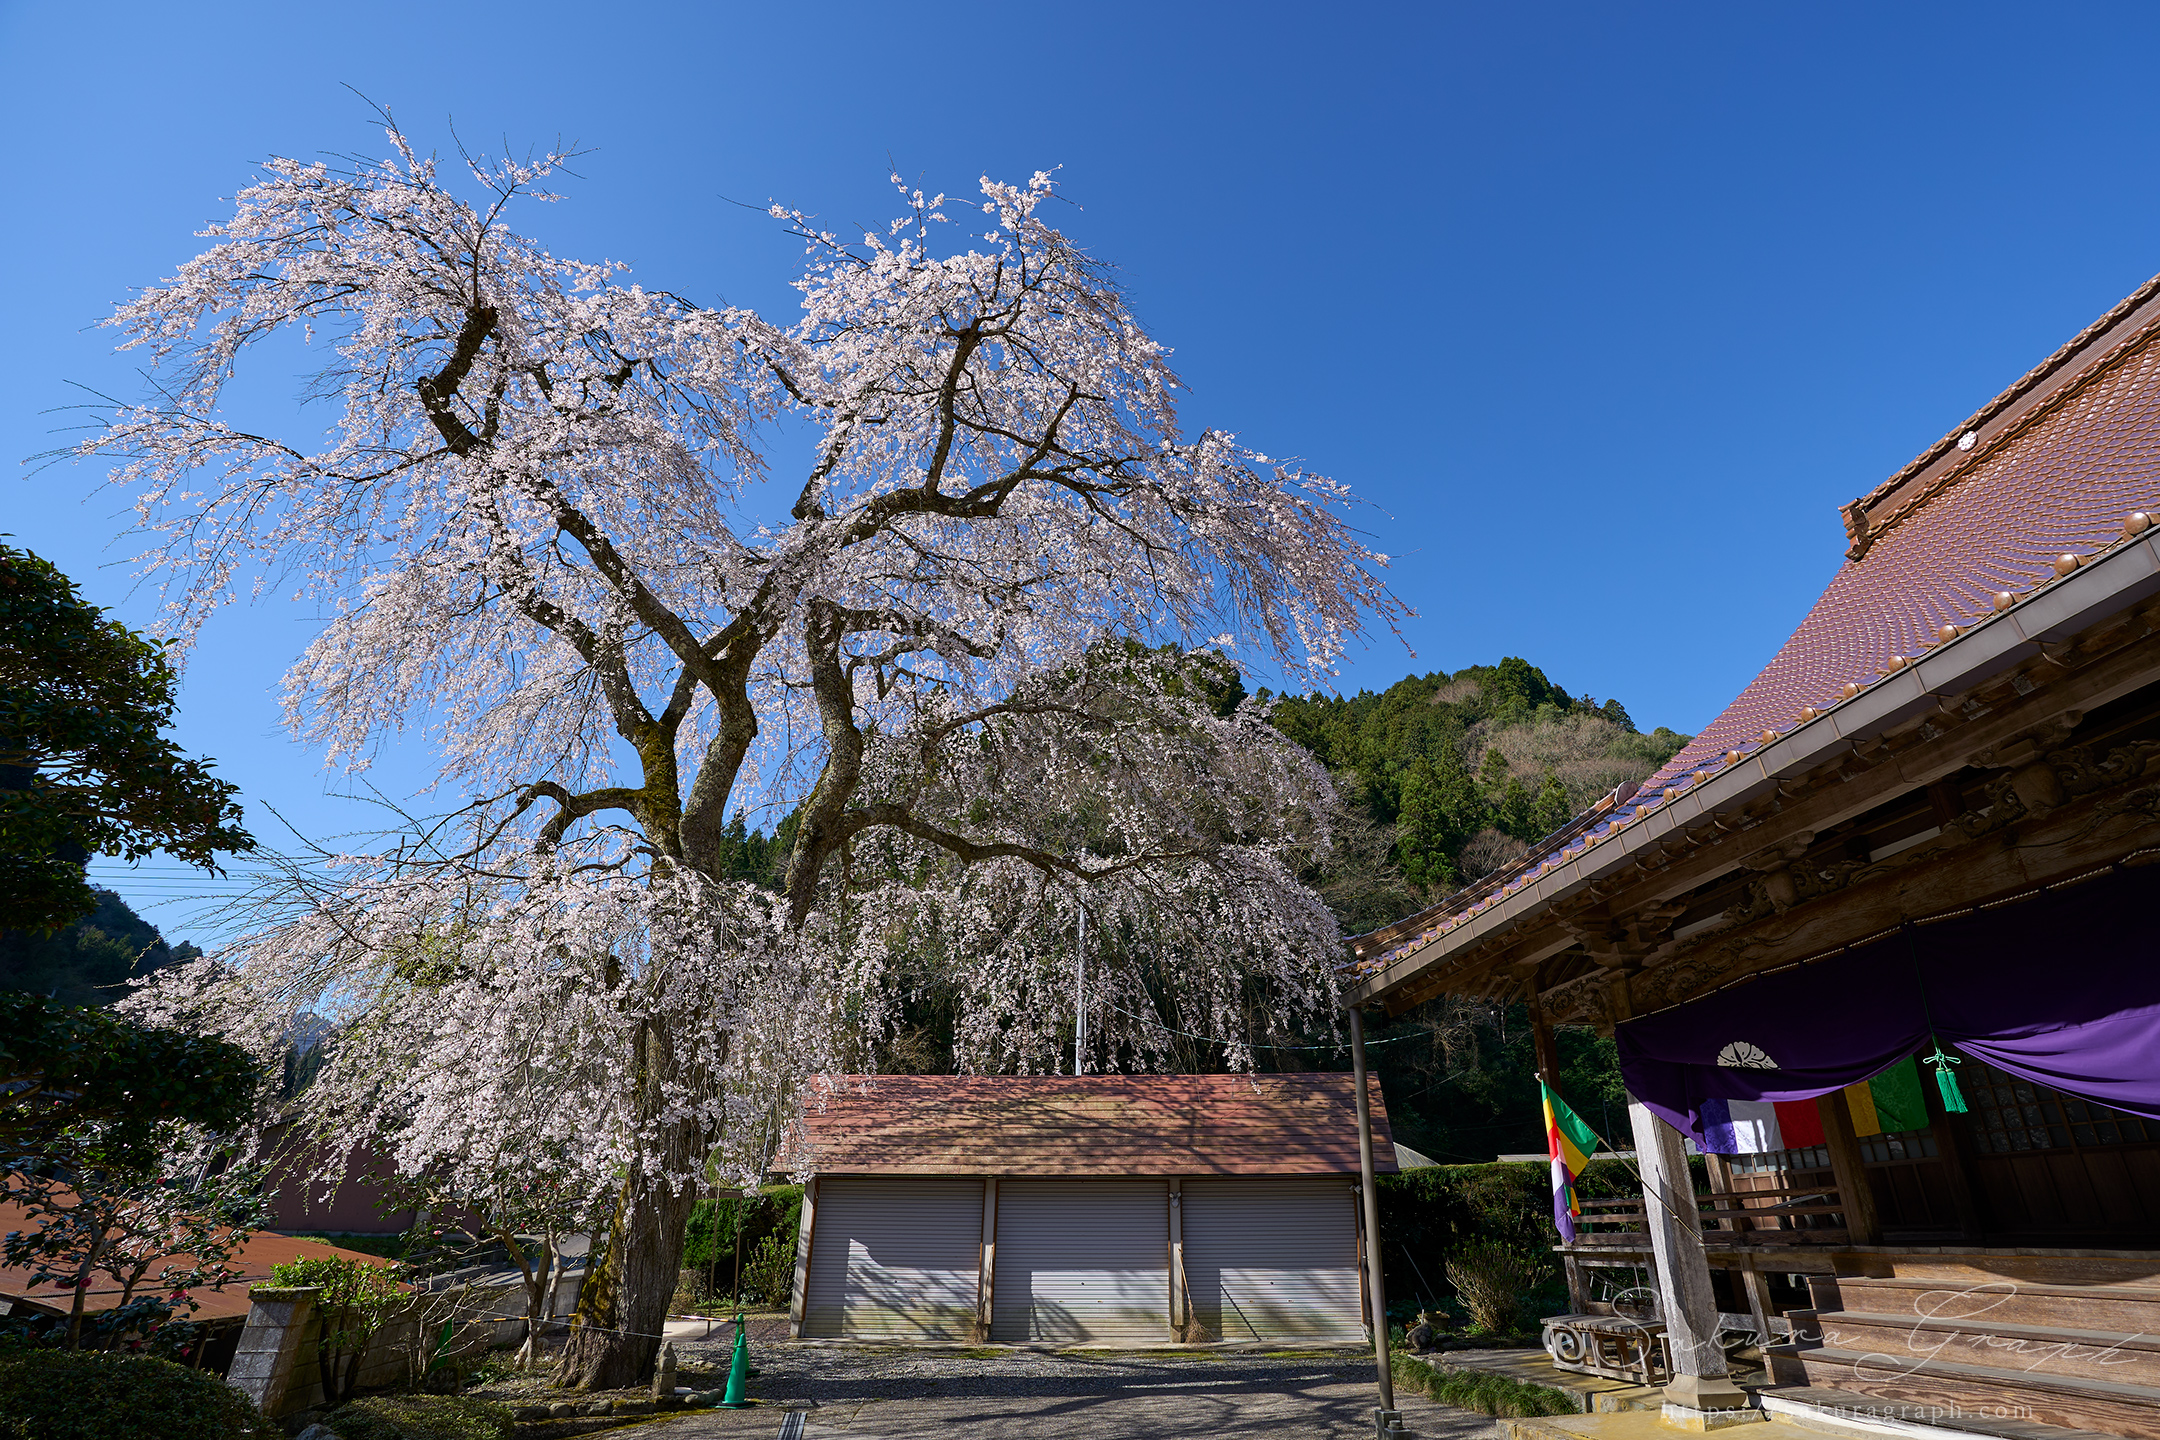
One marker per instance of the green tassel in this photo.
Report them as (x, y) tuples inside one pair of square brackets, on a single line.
[(1945, 1079)]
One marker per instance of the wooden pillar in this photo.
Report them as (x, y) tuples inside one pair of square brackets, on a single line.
[(1542, 1044), (801, 1299), (986, 1280), (1758, 1298), (1721, 1186), (1370, 1194), (1700, 1380), (1758, 1291), (1862, 1224), (1578, 1294)]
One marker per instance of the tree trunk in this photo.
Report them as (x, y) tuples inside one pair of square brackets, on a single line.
[(539, 1298), (615, 1332), (82, 1290)]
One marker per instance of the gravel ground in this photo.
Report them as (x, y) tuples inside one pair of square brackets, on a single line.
[(892, 1394)]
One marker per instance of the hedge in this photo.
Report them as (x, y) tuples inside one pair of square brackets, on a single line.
[(1480, 1390), (100, 1394)]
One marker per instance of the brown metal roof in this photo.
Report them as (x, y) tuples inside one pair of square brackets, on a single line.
[(2055, 464), (1091, 1125), (228, 1303), (2052, 478)]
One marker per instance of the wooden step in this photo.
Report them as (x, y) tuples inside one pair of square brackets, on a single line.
[(2134, 1309), (1835, 1407), (2136, 1269), (1976, 1391), (2126, 1357)]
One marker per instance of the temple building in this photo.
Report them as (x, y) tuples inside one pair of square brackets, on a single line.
[(1879, 941)]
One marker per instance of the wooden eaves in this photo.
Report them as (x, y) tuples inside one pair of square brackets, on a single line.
[(1990, 755), (1594, 940)]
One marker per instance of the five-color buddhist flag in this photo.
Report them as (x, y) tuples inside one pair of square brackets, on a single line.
[(1886, 1104), (1570, 1143)]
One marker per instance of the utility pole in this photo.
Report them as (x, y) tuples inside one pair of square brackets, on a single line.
[(1386, 1419), (1080, 996)]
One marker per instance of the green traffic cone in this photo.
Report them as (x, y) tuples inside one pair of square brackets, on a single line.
[(742, 1333), (738, 1379)]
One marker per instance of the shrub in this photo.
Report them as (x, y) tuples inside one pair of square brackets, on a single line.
[(716, 1227), (356, 1299), (769, 1275), (421, 1417), (96, 1395), (1491, 1278)]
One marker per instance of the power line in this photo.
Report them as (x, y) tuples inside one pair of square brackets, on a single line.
[(1213, 1040)]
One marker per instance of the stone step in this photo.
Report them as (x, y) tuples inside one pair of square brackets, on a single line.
[(2134, 1309), (1977, 1391), (2123, 1356)]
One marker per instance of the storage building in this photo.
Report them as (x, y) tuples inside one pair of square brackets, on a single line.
[(1098, 1210)]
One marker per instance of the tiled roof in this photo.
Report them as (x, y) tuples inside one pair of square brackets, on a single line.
[(231, 1302), (1090, 1125), (2036, 482)]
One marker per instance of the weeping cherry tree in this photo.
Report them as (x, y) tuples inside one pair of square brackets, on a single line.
[(549, 531)]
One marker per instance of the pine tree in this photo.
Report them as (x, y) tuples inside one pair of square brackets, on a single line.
[(1492, 775)]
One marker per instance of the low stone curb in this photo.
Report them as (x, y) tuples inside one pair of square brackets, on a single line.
[(537, 1421)]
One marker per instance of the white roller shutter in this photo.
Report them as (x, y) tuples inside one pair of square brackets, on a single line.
[(1273, 1259), (1082, 1262), (894, 1259)]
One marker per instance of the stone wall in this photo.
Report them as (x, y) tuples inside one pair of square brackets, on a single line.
[(276, 1364)]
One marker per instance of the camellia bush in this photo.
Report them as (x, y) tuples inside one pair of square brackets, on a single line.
[(83, 769)]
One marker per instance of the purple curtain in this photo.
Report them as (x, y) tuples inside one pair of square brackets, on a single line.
[(2063, 989)]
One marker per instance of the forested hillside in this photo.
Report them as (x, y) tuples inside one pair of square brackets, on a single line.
[(1446, 778), (90, 961), (1443, 779)]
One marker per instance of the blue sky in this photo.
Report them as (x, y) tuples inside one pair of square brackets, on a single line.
[(1604, 310)]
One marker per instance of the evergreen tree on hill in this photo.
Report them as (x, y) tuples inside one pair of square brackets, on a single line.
[(1403, 761)]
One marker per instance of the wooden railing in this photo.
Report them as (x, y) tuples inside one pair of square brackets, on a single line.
[(1792, 1215)]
